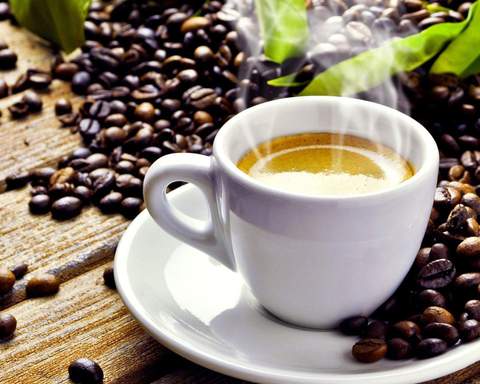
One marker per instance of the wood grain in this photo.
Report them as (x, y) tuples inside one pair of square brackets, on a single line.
[(85, 319)]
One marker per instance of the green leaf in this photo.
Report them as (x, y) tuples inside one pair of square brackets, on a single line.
[(373, 67), (284, 27), (462, 56), (60, 21), (435, 7), (286, 81)]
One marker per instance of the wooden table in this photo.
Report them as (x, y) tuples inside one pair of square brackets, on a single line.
[(85, 319)]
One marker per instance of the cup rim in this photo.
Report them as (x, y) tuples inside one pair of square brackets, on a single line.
[(430, 163)]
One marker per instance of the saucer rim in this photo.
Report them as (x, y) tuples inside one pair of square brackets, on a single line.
[(454, 360)]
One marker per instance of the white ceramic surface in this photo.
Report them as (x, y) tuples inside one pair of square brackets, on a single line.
[(297, 252), (201, 310)]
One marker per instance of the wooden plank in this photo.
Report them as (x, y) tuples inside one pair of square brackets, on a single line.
[(64, 248), (85, 319)]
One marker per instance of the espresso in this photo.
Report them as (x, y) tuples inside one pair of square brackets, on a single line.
[(325, 164)]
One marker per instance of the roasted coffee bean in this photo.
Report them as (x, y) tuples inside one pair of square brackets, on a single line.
[(129, 185), (435, 314), (471, 200), (130, 207), (89, 128), (39, 204), (431, 347), (446, 197), (438, 251), (399, 349), (354, 326), (457, 219), (95, 161), (85, 371), (469, 330), (62, 176), (4, 89), (99, 110), (33, 101), (406, 330), (39, 80), (65, 71), (80, 82), (376, 329), (469, 248), (7, 280), (66, 208), (8, 324), (19, 270), (44, 284), (436, 274), (125, 167), (108, 278), (17, 180), (446, 332), (110, 203), (145, 112), (18, 110), (103, 184), (8, 59), (83, 193), (472, 307), (62, 107), (369, 350), (429, 297)]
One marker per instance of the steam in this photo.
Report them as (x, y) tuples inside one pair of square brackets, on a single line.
[(337, 32)]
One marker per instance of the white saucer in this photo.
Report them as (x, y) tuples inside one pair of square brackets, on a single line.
[(202, 311)]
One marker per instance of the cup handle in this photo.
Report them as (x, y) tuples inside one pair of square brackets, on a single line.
[(208, 236)]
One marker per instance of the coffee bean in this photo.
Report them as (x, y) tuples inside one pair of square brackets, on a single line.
[(472, 307), (446, 332), (65, 71), (130, 207), (436, 274), (108, 278), (471, 200), (469, 248), (18, 110), (39, 80), (19, 270), (62, 176), (7, 280), (110, 203), (62, 107), (438, 251), (446, 197), (8, 324), (457, 219), (369, 350), (8, 59), (66, 208), (103, 184), (17, 180), (33, 101), (376, 329), (399, 349), (85, 371), (194, 23), (431, 347), (80, 82), (406, 330), (145, 112), (83, 193), (354, 326), (435, 314), (39, 204), (429, 298), (469, 330), (43, 285)]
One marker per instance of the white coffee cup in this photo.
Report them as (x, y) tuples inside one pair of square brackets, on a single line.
[(309, 260)]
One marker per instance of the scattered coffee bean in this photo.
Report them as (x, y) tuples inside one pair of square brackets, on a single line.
[(85, 371), (7, 280), (446, 332), (436, 274), (472, 307), (108, 278), (17, 180), (63, 107), (369, 350), (18, 110), (43, 285), (8, 59), (437, 315), (19, 270), (469, 330), (39, 204), (376, 329), (66, 208), (8, 324)]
